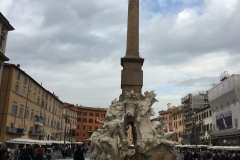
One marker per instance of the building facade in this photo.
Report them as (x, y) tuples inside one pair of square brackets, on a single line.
[(5, 26), (27, 109), (70, 122), (203, 125), (224, 102), (190, 104), (167, 114), (87, 122), (177, 116)]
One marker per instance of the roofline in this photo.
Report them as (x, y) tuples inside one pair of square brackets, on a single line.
[(13, 65), (6, 22), (2, 56), (85, 107)]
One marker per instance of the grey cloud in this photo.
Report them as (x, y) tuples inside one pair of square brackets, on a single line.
[(199, 82)]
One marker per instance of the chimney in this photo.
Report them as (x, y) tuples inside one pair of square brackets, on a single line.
[(168, 105), (18, 65)]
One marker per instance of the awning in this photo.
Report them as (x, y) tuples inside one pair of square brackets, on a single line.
[(225, 132)]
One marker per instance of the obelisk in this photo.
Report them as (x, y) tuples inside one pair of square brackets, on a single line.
[(132, 74)]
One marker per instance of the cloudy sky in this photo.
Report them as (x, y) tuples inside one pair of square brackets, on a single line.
[(74, 46)]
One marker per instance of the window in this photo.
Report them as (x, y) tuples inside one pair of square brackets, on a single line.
[(77, 134), (84, 127), (77, 126), (90, 120), (24, 90), (228, 104), (25, 80), (102, 115), (83, 134), (42, 105), (14, 109), (18, 75), (96, 115), (84, 113), (29, 94), (84, 120), (206, 114), (38, 101), (17, 88), (21, 112), (32, 115), (210, 113), (236, 123), (26, 114), (90, 128), (45, 119), (234, 102), (96, 128), (90, 114)]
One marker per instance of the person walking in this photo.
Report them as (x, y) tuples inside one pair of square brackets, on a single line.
[(78, 154), (39, 153)]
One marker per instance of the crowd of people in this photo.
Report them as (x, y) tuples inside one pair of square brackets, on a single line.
[(189, 154), (37, 152)]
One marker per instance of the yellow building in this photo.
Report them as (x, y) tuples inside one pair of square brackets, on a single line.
[(5, 26), (27, 109), (70, 122), (177, 116)]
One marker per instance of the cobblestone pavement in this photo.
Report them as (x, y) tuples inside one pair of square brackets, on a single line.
[(180, 157)]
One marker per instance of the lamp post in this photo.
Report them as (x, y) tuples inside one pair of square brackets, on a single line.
[(66, 118)]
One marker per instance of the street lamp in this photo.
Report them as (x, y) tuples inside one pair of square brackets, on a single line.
[(66, 118)]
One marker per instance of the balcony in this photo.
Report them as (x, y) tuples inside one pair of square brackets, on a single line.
[(37, 133), (11, 130), (90, 131), (70, 134), (38, 121), (20, 131)]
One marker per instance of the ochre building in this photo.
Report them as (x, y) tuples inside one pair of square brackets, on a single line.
[(5, 26), (70, 122), (27, 109)]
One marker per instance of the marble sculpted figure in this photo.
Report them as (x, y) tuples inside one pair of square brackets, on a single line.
[(150, 142)]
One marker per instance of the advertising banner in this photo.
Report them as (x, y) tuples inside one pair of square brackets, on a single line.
[(224, 120)]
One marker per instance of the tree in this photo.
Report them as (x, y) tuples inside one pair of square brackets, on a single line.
[(197, 132)]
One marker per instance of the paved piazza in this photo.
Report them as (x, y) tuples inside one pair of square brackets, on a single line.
[(180, 157)]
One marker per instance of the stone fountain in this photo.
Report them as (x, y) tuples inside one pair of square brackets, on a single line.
[(150, 142)]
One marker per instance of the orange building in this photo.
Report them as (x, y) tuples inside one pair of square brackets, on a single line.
[(86, 122), (168, 116)]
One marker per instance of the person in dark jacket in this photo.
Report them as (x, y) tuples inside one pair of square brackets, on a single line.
[(78, 154), (225, 156), (39, 154), (29, 154)]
